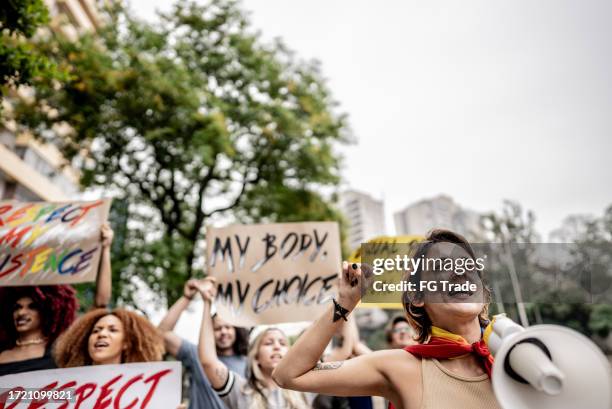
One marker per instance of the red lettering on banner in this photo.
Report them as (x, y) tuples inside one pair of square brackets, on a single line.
[(67, 385), (82, 395), (106, 390), (86, 209), (154, 379), (4, 209), (15, 235), (5, 396), (93, 395), (18, 214), (16, 260), (122, 391)]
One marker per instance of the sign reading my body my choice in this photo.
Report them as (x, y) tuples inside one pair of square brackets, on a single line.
[(273, 273), (50, 243)]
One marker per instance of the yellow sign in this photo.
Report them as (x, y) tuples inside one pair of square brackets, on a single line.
[(387, 247)]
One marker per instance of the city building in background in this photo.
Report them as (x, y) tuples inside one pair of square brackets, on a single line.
[(438, 212), (73, 17), (30, 170), (365, 215)]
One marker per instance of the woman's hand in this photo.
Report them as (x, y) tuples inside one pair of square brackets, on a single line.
[(190, 288), (207, 288), (106, 235), (352, 284)]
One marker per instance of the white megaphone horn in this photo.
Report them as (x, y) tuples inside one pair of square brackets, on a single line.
[(546, 367)]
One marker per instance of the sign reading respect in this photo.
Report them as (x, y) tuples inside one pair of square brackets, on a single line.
[(50, 243), (151, 385)]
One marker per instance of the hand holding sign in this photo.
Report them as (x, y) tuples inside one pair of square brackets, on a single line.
[(190, 289), (106, 235), (207, 288), (352, 285)]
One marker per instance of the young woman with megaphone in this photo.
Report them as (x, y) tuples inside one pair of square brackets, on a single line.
[(449, 368), (543, 366)]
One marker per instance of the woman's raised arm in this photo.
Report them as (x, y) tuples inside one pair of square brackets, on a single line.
[(300, 368), (216, 371)]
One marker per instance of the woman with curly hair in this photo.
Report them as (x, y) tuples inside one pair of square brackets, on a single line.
[(39, 314), (101, 337)]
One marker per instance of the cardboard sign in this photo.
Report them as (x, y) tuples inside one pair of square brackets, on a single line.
[(273, 273), (50, 243), (382, 247), (152, 385)]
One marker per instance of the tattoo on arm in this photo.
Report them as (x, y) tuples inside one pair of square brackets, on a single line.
[(221, 373), (322, 366)]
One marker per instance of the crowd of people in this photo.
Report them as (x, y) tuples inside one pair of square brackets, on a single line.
[(435, 358)]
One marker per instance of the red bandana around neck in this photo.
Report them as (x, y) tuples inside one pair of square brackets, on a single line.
[(446, 345)]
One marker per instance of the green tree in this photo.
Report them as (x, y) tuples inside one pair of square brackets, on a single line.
[(591, 239), (190, 121), (20, 62), (511, 231)]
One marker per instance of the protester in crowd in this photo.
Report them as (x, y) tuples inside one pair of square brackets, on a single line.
[(34, 316), (449, 368), (100, 337), (232, 345), (399, 333), (257, 390), (201, 394)]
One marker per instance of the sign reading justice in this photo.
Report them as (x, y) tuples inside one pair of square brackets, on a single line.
[(50, 243), (272, 273)]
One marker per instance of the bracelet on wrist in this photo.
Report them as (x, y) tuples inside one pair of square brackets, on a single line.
[(339, 311)]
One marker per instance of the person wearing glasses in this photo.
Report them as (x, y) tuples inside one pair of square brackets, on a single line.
[(399, 333)]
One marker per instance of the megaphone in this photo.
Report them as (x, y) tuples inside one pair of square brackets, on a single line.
[(546, 367)]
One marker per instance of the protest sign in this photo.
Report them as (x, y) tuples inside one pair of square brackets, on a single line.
[(272, 273), (50, 243), (152, 385), (382, 247)]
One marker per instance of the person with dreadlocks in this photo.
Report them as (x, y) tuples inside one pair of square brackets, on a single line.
[(451, 365), (33, 317), (257, 390)]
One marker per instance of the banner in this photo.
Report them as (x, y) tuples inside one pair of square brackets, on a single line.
[(273, 273), (50, 243), (152, 385)]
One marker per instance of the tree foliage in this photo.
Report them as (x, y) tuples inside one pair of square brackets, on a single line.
[(190, 121), (588, 268), (20, 62)]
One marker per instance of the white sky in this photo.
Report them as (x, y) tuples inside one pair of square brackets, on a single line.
[(480, 100)]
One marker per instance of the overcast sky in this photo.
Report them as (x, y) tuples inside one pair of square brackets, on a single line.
[(480, 100)]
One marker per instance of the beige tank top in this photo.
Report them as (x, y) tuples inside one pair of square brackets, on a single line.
[(443, 389)]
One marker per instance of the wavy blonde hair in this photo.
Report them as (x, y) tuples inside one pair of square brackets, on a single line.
[(143, 343), (255, 387), (417, 316)]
